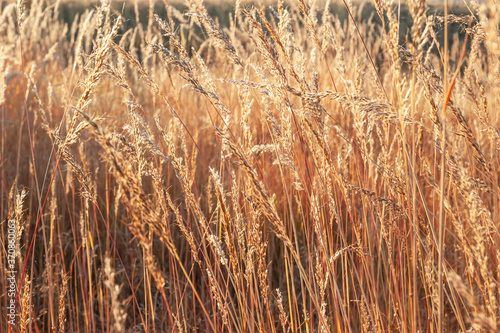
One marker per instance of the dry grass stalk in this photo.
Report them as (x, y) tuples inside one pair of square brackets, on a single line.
[(282, 170)]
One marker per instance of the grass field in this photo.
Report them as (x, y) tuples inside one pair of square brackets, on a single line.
[(249, 167)]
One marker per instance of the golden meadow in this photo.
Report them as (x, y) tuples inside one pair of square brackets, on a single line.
[(280, 167)]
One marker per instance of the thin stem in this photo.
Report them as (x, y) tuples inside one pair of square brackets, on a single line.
[(443, 158)]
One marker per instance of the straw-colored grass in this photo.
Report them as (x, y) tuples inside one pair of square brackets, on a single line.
[(290, 171)]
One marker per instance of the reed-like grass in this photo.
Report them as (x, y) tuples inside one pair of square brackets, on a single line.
[(290, 171)]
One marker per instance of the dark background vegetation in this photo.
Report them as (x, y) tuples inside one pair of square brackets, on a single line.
[(223, 10)]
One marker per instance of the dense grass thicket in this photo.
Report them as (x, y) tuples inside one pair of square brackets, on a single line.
[(283, 167)]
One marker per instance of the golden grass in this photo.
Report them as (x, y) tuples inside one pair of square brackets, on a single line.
[(291, 172)]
